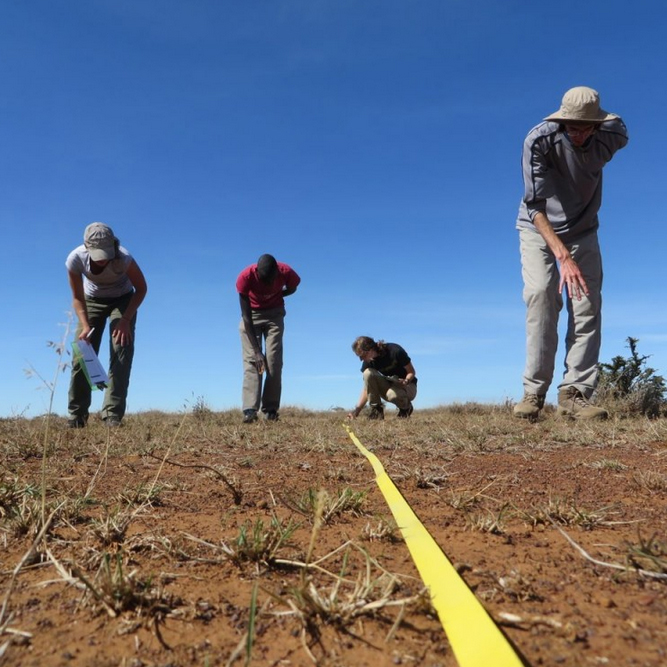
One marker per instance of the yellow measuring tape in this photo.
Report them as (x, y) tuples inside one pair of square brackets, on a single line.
[(475, 639)]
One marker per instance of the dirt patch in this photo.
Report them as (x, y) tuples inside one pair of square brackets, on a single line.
[(171, 540)]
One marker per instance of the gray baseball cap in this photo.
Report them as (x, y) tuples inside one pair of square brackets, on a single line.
[(580, 105), (100, 241)]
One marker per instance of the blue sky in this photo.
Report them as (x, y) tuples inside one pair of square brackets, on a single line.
[(374, 146)]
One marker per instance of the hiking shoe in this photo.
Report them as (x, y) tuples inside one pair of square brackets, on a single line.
[(249, 416), (529, 406), (272, 416), (573, 404), (404, 413), (377, 412), (77, 422), (112, 422)]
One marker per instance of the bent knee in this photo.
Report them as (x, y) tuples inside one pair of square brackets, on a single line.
[(392, 395), (369, 373), (542, 296)]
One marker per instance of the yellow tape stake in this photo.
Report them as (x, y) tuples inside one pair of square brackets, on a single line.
[(474, 637)]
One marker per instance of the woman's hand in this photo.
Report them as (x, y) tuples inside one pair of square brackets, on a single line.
[(122, 333), (85, 332)]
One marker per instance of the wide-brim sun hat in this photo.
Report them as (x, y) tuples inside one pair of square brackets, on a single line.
[(580, 105), (100, 241)]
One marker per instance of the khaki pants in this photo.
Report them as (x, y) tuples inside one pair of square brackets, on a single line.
[(380, 387), (120, 360), (543, 305), (269, 326)]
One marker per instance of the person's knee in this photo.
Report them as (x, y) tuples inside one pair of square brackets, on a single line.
[(590, 305), (369, 374), (544, 297)]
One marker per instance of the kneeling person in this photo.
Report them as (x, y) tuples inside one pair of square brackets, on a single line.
[(388, 374)]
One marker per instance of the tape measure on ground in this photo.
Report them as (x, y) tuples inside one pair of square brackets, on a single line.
[(474, 637)]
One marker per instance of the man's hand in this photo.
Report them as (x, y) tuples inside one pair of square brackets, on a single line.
[(570, 275), (260, 362), (572, 278)]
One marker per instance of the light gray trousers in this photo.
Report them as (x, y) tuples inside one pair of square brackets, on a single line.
[(269, 326), (543, 305), (379, 386)]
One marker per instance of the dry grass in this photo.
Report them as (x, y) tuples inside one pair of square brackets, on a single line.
[(316, 552)]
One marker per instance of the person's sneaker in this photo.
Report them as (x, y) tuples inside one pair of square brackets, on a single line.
[(249, 416), (529, 406), (404, 413), (573, 404), (377, 412), (112, 422), (77, 422), (272, 416)]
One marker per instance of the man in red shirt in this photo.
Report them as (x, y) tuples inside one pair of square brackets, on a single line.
[(262, 289)]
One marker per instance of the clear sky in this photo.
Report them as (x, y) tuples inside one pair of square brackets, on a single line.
[(374, 146)]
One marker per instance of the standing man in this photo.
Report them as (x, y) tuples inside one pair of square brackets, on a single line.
[(388, 373), (262, 289), (563, 158)]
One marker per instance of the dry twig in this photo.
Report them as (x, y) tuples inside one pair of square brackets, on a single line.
[(236, 494), (615, 566)]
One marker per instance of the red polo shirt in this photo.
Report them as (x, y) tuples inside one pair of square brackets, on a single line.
[(261, 295)]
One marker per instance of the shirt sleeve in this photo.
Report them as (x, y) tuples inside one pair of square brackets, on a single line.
[(613, 135), (538, 184), (242, 285), (292, 278), (402, 358), (74, 263)]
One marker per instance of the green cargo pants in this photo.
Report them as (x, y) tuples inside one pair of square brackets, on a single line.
[(120, 360)]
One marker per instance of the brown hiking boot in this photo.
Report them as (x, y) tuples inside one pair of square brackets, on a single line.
[(573, 404), (529, 407)]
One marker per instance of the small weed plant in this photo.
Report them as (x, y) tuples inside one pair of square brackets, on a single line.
[(258, 542), (648, 554), (331, 506)]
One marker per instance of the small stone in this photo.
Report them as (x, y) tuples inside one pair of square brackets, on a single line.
[(606, 602), (645, 600)]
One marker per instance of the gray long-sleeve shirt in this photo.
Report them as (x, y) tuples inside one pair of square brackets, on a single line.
[(564, 181)]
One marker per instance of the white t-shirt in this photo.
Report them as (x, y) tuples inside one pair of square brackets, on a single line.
[(111, 282)]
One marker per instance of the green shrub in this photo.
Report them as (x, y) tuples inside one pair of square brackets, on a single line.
[(628, 386)]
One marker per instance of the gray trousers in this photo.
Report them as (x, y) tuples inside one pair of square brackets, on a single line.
[(543, 305), (379, 386), (269, 326), (120, 360)]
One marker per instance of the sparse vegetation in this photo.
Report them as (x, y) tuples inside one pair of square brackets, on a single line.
[(381, 529), (607, 464), (490, 520), (259, 542), (566, 512), (277, 542), (331, 505), (648, 554), (628, 386)]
